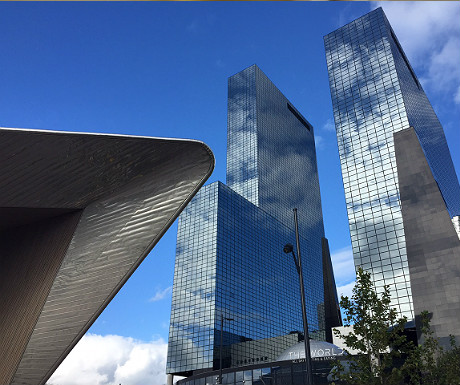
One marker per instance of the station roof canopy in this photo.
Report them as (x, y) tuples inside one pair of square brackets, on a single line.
[(78, 214)]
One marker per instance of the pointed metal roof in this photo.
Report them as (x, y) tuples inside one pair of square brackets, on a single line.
[(78, 214)]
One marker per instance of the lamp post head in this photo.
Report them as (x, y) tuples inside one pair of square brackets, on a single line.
[(288, 248)]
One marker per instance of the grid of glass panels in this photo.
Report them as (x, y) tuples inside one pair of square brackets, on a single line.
[(191, 332), (427, 126), (262, 376), (258, 285), (271, 155), (373, 95), (230, 262), (283, 373), (242, 149), (230, 258), (368, 107)]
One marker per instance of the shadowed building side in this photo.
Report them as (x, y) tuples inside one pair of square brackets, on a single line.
[(332, 315), (31, 255), (433, 247), (79, 213)]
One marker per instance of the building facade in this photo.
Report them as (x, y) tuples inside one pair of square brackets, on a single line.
[(433, 245), (230, 266), (376, 93), (288, 368)]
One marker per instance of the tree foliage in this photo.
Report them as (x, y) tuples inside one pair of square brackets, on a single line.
[(376, 329), (377, 335), (429, 363)]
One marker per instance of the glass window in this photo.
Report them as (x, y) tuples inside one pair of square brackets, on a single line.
[(248, 377), (282, 375), (228, 378)]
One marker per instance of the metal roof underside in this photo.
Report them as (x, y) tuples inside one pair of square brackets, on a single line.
[(81, 211)]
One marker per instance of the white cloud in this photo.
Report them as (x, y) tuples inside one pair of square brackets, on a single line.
[(457, 96), (113, 360), (160, 294), (429, 33), (346, 290), (344, 267), (319, 142), (329, 125), (444, 68)]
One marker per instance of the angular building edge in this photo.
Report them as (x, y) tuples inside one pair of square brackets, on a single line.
[(101, 203), (235, 233), (375, 93), (433, 247), (332, 315)]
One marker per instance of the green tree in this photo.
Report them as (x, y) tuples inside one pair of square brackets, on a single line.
[(377, 335), (450, 362), (429, 363)]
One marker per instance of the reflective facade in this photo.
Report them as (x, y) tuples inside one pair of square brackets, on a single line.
[(288, 369), (271, 156), (229, 257), (375, 93), (276, 373)]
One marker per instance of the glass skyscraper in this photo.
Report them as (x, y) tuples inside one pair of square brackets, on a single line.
[(375, 93), (229, 258)]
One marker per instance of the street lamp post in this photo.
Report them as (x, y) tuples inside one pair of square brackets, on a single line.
[(222, 318), (298, 264)]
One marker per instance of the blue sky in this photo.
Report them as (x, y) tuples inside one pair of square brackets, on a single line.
[(161, 69)]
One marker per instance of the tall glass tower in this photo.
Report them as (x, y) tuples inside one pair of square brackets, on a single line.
[(375, 93), (230, 263)]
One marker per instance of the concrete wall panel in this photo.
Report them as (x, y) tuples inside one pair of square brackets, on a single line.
[(433, 247)]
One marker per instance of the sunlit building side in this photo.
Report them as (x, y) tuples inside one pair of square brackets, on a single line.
[(376, 93), (229, 257)]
